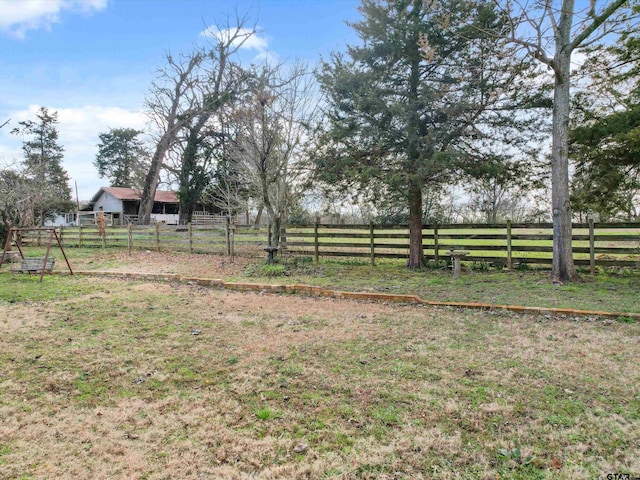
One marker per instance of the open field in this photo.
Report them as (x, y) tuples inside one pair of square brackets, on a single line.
[(106, 378)]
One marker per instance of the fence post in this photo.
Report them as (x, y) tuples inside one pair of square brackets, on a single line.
[(283, 239), (436, 244), (592, 247), (509, 254), (316, 242), (227, 235), (232, 240), (129, 238), (190, 227), (372, 243), (79, 236), (157, 236)]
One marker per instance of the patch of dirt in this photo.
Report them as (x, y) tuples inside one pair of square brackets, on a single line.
[(194, 265), (18, 317)]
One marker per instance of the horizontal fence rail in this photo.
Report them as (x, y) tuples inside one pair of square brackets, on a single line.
[(508, 244), (220, 239)]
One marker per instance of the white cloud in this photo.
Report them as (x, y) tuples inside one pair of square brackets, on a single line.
[(245, 40), (18, 17), (267, 57), (78, 130)]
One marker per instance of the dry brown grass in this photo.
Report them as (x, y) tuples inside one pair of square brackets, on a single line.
[(140, 380)]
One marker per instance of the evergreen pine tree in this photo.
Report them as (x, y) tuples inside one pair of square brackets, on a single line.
[(50, 191)]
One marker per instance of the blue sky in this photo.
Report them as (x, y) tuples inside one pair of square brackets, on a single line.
[(93, 60)]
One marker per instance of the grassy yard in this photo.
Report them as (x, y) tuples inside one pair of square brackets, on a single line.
[(614, 290), (617, 291), (105, 378)]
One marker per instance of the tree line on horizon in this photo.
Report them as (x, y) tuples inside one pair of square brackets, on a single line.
[(436, 97)]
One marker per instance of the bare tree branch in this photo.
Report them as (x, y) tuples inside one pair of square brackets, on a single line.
[(187, 88), (598, 20)]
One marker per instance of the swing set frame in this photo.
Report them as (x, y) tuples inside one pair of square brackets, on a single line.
[(14, 237)]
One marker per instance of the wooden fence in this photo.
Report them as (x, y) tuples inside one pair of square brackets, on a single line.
[(225, 239), (509, 244)]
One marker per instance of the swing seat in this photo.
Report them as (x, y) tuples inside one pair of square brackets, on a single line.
[(34, 264)]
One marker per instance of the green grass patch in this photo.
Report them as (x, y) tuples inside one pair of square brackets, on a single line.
[(16, 287), (269, 382)]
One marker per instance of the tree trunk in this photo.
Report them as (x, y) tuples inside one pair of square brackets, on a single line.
[(563, 268), (414, 127), (416, 255), (274, 222), (185, 214), (192, 178), (180, 75), (151, 182), (256, 222), (276, 231)]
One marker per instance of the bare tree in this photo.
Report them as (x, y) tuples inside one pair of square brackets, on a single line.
[(228, 191), (272, 124), (171, 105), (15, 195), (188, 88), (550, 31)]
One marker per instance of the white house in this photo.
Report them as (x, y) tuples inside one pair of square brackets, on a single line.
[(121, 206), (62, 219)]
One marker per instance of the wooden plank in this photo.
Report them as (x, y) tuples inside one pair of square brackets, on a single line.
[(484, 226), (592, 256), (343, 235), (352, 245), (461, 246), (607, 238), (394, 235), (610, 250), (436, 244), (620, 238), (624, 225), (609, 263), (525, 236), (598, 250), (342, 245), (334, 226), (291, 234), (316, 245), (349, 254), (399, 246), (509, 246), (469, 236), (35, 264), (372, 244)]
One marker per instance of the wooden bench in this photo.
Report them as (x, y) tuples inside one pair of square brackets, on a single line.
[(34, 264)]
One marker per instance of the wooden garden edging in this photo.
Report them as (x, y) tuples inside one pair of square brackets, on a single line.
[(315, 291)]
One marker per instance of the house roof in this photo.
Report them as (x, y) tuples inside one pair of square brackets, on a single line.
[(121, 193)]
